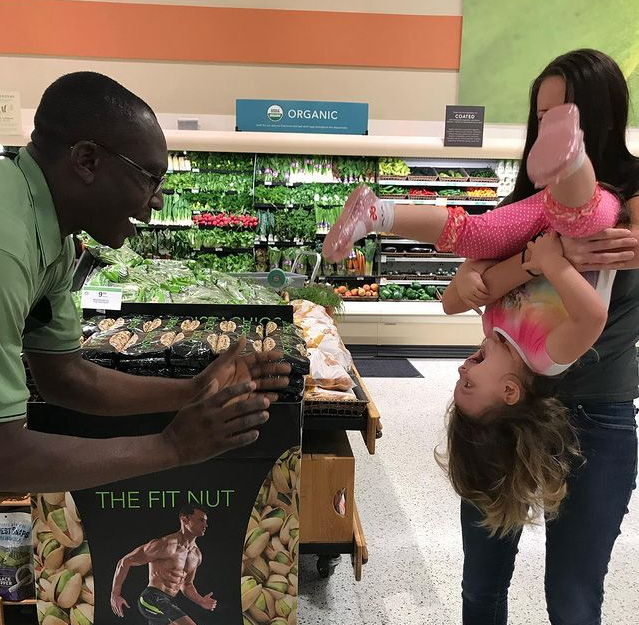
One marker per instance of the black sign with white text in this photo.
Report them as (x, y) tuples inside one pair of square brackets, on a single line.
[(464, 126)]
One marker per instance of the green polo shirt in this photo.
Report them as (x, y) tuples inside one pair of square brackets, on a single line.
[(36, 269)]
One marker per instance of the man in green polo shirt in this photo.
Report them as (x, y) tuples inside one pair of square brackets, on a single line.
[(97, 158)]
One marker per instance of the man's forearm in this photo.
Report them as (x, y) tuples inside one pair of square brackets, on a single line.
[(89, 388), (37, 462), (191, 593), (121, 572)]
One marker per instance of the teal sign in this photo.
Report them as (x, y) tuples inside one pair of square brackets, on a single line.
[(341, 118)]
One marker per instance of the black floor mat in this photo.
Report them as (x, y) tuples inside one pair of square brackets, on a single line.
[(386, 368)]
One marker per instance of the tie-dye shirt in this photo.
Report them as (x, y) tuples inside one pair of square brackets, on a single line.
[(526, 316)]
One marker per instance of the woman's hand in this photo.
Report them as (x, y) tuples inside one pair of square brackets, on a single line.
[(543, 252), (610, 249)]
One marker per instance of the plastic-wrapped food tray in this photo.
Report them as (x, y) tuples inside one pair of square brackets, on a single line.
[(337, 408)]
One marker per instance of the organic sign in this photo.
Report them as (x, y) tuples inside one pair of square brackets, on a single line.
[(302, 116)]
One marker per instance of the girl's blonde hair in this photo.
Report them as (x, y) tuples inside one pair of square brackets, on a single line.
[(512, 462)]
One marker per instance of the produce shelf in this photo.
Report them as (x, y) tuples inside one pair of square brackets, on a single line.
[(424, 259), (441, 183), (403, 281), (347, 278), (452, 202), (421, 258)]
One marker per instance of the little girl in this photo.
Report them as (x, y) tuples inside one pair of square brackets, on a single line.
[(509, 442)]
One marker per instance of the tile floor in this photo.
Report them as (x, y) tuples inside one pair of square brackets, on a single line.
[(410, 518)]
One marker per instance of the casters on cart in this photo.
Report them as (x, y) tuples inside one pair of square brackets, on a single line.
[(326, 564)]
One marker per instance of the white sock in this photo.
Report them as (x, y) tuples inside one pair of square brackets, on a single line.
[(386, 216)]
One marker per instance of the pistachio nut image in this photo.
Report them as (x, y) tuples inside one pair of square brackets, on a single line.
[(63, 569), (82, 614), (51, 552), (258, 568), (65, 529), (285, 605), (256, 542), (250, 591), (87, 594), (263, 609), (277, 584), (78, 560), (272, 521), (282, 563), (66, 587), (269, 561), (52, 615)]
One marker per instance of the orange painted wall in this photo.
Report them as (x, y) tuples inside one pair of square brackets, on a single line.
[(67, 28)]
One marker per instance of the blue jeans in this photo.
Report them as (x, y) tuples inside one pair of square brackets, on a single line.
[(578, 543)]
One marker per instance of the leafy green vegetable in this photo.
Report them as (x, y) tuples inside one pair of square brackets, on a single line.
[(318, 294)]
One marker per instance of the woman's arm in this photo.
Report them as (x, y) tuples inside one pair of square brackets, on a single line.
[(613, 248)]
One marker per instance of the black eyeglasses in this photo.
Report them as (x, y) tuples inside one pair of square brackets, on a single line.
[(157, 181)]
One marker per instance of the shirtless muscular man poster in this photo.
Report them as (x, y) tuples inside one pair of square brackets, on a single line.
[(173, 561)]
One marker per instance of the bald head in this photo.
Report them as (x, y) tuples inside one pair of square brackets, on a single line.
[(102, 152), (88, 105)]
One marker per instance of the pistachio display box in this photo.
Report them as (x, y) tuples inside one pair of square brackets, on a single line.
[(214, 543)]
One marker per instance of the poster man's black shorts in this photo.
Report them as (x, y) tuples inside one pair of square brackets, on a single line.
[(158, 607)]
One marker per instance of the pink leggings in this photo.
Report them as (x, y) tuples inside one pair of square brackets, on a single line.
[(503, 232)]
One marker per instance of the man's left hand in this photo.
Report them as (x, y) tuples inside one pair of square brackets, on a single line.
[(266, 369)]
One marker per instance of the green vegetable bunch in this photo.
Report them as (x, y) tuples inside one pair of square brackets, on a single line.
[(415, 291)]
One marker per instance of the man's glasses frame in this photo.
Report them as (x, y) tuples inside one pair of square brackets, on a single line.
[(157, 181)]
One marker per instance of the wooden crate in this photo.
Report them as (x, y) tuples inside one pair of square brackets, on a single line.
[(327, 485)]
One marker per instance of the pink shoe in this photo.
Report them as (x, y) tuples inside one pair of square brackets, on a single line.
[(559, 149), (359, 217)]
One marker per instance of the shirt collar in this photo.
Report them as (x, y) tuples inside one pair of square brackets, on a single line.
[(46, 218)]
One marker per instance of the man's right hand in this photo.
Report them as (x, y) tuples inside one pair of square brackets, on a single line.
[(214, 423), (118, 602)]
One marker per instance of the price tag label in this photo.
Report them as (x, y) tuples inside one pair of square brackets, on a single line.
[(289, 183), (268, 183), (196, 170), (441, 201), (383, 259), (102, 297)]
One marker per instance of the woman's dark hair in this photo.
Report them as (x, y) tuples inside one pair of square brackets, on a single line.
[(595, 83), (512, 462)]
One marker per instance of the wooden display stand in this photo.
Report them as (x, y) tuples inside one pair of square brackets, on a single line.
[(329, 521), (6, 501)]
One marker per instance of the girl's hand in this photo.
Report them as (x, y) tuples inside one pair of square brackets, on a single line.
[(543, 252), (470, 285)]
